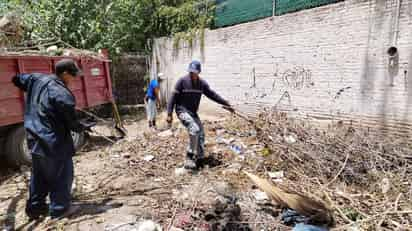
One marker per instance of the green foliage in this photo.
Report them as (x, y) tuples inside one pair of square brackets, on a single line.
[(119, 25)]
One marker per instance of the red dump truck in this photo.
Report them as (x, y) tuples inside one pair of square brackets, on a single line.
[(92, 89)]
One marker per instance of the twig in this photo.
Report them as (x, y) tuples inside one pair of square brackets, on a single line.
[(343, 227), (336, 207), (340, 171), (122, 225), (171, 221)]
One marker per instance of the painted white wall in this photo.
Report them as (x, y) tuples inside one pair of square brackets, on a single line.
[(331, 61)]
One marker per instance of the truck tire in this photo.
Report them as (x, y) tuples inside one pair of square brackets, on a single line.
[(16, 147), (18, 152), (79, 139)]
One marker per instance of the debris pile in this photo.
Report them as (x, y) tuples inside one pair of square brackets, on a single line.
[(346, 176), (273, 174), (11, 30), (364, 177)]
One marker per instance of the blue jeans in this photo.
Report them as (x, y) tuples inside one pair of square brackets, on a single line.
[(50, 177)]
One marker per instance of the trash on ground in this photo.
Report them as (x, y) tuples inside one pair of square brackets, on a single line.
[(306, 227), (276, 175), (236, 149), (385, 185), (148, 157), (148, 225), (290, 139), (180, 171), (304, 205), (260, 196), (166, 133)]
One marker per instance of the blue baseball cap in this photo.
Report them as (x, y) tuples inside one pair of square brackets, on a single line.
[(194, 67)]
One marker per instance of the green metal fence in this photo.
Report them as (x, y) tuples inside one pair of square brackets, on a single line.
[(288, 6), (231, 12)]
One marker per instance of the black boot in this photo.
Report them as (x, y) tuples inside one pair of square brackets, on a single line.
[(34, 212), (190, 162)]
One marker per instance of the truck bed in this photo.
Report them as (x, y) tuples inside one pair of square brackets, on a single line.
[(92, 89)]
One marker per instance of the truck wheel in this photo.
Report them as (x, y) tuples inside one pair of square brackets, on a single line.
[(16, 147), (18, 152)]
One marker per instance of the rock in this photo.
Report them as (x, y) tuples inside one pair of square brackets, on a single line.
[(180, 171), (148, 157), (99, 220), (148, 225), (260, 196), (166, 133), (233, 169), (220, 132), (276, 175), (385, 185), (224, 189), (290, 139)]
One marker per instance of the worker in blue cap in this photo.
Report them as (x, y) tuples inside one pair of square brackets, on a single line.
[(186, 98), (49, 118)]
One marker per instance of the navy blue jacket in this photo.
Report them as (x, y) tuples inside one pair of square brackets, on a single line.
[(187, 94), (49, 115)]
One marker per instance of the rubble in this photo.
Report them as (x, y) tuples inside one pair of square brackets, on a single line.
[(148, 225), (362, 177)]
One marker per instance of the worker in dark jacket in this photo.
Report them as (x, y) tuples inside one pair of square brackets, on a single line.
[(49, 118), (186, 97)]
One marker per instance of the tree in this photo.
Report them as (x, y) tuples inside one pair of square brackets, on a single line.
[(119, 25)]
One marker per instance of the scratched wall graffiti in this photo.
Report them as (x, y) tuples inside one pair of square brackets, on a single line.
[(272, 86), (297, 78)]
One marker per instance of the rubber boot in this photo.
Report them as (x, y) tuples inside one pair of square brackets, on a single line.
[(34, 213)]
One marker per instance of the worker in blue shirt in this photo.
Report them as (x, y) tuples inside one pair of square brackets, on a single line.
[(186, 98), (152, 99), (49, 117)]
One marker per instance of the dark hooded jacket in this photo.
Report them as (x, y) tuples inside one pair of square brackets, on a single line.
[(49, 115)]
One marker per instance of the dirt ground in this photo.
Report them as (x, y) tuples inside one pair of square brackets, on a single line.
[(116, 188), (122, 184)]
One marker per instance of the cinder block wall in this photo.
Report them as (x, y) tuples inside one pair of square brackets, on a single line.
[(329, 62)]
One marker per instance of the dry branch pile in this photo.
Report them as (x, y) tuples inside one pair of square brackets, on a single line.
[(364, 176)]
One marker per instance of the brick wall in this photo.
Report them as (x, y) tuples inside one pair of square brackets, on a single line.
[(329, 62)]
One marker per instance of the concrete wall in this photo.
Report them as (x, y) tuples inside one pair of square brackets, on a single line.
[(128, 77), (329, 62)]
